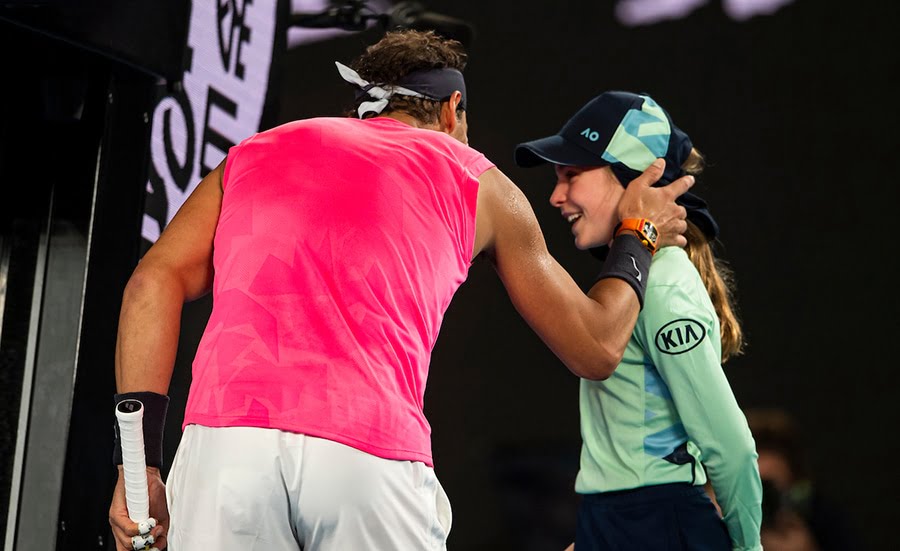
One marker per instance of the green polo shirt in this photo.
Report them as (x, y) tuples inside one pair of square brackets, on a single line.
[(668, 410)]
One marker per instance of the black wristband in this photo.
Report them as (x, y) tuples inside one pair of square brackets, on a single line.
[(629, 260), (154, 421)]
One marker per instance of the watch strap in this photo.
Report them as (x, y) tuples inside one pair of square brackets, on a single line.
[(643, 228)]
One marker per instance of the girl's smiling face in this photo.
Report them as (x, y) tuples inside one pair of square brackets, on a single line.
[(587, 197)]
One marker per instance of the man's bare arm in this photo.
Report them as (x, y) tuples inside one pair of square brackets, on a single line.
[(588, 334), (177, 268)]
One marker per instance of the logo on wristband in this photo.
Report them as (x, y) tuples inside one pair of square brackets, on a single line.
[(638, 270), (680, 336)]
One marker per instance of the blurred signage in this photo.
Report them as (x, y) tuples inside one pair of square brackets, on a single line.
[(221, 98), (297, 36), (219, 101), (633, 13)]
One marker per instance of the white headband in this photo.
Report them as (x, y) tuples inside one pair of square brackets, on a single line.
[(382, 95)]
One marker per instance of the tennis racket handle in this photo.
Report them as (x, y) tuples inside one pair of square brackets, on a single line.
[(130, 415)]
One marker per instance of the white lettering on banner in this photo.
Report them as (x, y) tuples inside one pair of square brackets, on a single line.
[(634, 13), (220, 102)]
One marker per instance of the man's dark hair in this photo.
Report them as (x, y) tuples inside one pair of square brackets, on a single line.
[(400, 53)]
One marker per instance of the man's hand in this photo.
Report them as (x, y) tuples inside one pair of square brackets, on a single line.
[(658, 204), (122, 526)]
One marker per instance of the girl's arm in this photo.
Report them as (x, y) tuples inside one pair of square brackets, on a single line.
[(680, 334)]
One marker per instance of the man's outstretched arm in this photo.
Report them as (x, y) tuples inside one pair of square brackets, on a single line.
[(588, 333)]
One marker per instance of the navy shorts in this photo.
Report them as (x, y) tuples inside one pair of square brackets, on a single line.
[(668, 517)]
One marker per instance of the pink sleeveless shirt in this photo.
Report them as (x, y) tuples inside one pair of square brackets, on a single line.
[(339, 246)]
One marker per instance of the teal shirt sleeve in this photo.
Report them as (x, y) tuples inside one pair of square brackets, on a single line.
[(679, 331)]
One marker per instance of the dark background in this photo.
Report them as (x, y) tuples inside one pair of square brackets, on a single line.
[(797, 115)]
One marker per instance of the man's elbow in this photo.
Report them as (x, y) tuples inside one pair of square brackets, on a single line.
[(595, 374), (599, 367), (147, 282)]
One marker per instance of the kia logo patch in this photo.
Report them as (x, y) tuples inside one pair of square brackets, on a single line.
[(680, 336)]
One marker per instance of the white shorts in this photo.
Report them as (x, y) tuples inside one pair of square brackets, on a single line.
[(246, 489)]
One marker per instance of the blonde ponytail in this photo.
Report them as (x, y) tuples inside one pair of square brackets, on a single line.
[(717, 276)]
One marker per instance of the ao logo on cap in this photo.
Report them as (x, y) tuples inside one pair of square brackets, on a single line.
[(592, 135), (680, 336)]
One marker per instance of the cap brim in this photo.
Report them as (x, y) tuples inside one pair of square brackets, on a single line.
[(556, 150)]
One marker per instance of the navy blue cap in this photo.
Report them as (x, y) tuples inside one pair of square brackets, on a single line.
[(613, 128), (627, 132)]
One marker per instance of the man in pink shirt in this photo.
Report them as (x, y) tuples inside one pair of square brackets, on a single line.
[(333, 247)]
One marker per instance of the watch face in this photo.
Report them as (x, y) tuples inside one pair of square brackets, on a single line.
[(650, 231)]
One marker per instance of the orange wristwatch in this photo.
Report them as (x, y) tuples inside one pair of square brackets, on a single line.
[(643, 229)]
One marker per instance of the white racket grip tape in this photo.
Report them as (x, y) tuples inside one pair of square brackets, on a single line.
[(145, 526), (130, 415), (139, 543)]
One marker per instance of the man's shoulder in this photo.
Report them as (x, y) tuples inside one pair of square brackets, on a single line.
[(313, 122)]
